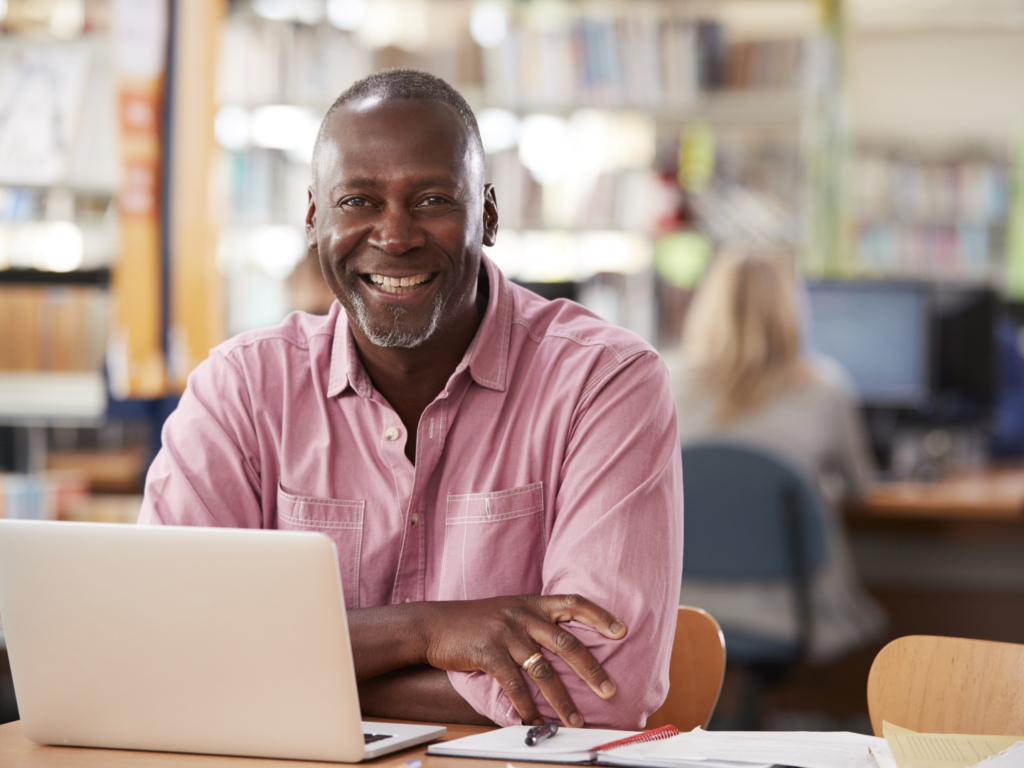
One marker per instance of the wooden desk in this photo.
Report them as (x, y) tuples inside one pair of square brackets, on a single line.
[(18, 752), (947, 558), (995, 494)]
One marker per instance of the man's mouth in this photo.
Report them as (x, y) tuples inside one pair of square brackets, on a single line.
[(400, 285)]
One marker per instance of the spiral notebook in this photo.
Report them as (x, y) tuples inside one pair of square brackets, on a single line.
[(581, 746)]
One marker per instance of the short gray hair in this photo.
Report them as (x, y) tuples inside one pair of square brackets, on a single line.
[(404, 84)]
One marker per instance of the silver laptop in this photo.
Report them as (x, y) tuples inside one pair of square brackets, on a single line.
[(177, 639)]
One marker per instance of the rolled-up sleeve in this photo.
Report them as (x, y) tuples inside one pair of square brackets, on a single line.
[(617, 540), (207, 472)]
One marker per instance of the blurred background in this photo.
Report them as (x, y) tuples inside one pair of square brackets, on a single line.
[(154, 160)]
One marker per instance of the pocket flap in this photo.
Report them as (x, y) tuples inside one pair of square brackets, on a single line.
[(311, 512), (465, 508)]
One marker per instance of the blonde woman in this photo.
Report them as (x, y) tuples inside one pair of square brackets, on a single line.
[(741, 376)]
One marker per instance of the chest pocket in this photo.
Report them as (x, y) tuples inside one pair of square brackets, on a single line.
[(341, 520), (493, 544)]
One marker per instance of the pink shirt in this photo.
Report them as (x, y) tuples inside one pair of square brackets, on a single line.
[(549, 464)]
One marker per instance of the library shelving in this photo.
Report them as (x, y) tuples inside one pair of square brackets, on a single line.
[(585, 111), (943, 217), (937, 129), (108, 284)]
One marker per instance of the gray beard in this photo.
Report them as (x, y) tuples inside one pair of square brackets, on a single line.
[(392, 338)]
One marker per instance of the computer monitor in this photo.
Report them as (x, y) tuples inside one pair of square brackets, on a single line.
[(880, 333), (965, 348)]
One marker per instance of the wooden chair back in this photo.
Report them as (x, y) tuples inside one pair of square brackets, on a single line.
[(695, 673), (948, 685)]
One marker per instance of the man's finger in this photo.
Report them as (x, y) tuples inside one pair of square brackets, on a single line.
[(551, 686), (569, 647), (541, 671), (509, 677), (563, 608)]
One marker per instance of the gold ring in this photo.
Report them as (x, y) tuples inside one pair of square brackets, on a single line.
[(531, 661)]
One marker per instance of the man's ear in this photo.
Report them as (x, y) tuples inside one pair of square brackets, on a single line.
[(490, 215), (311, 221)]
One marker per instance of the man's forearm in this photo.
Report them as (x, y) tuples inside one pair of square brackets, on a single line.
[(386, 638), (417, 693)]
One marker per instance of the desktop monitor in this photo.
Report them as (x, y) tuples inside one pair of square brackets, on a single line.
[(880, 333), (964, 322)]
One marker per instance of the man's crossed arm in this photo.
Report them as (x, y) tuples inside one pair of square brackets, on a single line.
[(391, 645)]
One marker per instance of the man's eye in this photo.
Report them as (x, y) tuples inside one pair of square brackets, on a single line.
[(433, 201), (355, 202)]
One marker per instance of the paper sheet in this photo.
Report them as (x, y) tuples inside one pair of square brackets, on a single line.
[(637, 755), (568, 745), (1008, 758), (941, 750), (797, 748)]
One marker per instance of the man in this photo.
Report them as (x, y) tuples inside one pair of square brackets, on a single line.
[(500, 474)]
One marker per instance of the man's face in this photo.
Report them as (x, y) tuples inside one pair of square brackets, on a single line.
[(398, 213)]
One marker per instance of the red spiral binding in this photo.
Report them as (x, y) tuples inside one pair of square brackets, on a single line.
[(665, 732)]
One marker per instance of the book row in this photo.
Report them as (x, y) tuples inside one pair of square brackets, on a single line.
[(908, 190), (53, 328), (965, 250), (635, 57), (62, 496), (635, 61)]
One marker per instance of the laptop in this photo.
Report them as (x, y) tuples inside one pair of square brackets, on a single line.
[(179, 639)]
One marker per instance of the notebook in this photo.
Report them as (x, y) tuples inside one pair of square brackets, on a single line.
[(581, 746), (180, 639), (667, 748)]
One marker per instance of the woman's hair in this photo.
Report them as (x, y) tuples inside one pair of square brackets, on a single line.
[(742, 336)]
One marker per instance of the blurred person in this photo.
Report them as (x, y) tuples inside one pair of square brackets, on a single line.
[(740, 376), (499, 473)]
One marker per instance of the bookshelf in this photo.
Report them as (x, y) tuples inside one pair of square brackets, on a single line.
[(937, 128), (944, 217), (109, 292), (60, 236), (581, 108)]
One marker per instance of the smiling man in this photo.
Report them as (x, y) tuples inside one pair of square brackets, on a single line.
[(500, 474)]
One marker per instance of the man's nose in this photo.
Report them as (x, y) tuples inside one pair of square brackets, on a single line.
[(397, 231)]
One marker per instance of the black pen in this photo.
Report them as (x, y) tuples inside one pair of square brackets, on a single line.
[(540, 733)]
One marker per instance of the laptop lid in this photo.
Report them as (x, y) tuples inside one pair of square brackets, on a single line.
[(179, 639)]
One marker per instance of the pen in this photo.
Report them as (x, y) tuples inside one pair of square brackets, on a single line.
[(540, 734)]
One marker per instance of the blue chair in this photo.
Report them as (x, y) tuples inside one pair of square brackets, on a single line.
[(750, 515)]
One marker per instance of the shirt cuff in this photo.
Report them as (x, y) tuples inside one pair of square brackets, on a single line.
[(486, 696)]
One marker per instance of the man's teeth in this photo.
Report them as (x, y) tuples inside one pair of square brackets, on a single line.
[(399, 284)]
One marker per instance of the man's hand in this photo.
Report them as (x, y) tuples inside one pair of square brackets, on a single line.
[(496, 636), (499, 634)]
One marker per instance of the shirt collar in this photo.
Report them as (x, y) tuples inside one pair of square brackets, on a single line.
[(486, 357)]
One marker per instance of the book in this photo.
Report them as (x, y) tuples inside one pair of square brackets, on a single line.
[(579, 746)]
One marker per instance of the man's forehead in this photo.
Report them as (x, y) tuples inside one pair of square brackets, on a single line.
[(374, 131), (397, 124)]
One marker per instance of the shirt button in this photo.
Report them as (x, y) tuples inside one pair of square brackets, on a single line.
[(408, 600), (414, 519), (391, 433)]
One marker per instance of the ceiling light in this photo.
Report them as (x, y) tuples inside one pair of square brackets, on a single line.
[(488, 24), (499, 129), (346, 14)]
